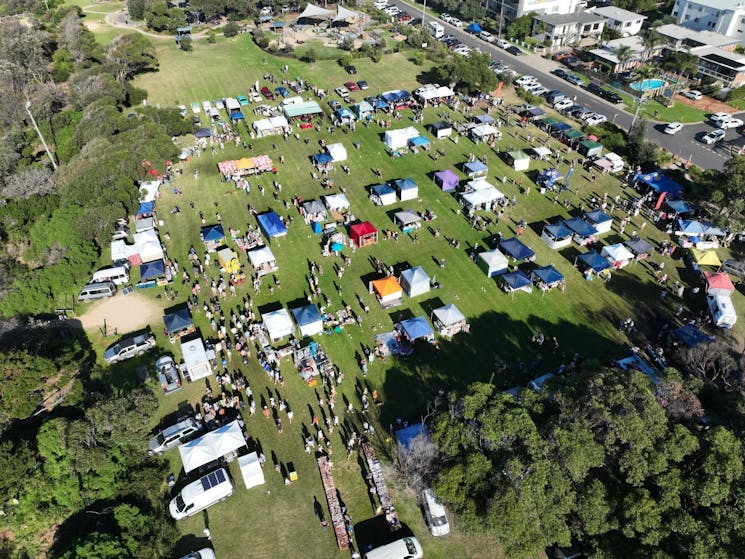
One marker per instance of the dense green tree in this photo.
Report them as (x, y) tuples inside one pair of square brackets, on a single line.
[(521, 27), (471, 74), (136, 9), (131, 54)]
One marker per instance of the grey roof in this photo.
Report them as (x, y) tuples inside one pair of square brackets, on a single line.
[(564, 19), (710, 38), (618, 14), (718, 4), (722, 57)]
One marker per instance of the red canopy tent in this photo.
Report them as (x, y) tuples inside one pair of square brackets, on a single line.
[(363, 234), (718, 282)]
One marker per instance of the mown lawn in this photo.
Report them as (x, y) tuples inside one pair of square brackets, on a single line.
[(275, 521)]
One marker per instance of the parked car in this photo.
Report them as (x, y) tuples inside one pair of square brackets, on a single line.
[(362, 84), (174, 436), (434, 514), (513, 50), (563, 104), (446, 17), (730, 123), (455, 22), (673, 128), (718, 117), (204, 553), (594, 120), (538, 90), (168, 375), (343, 92), (121, 232), (523, 80), (693, 94), (595, 89), (352, 86), (254, 96), (219, 104), (713, 137), (242, 100), (350, 69), (574, 110), (267, 93), (404, 17), (208, 490), (282, 90), (560, 72), (129, 346), (613, 97), (334, 104), (502, 44), (554, 96), (573, 79), (486, 36)]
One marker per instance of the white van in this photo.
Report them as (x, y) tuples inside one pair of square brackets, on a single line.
[(118, 275), (405, 548), (98, 290), (434, 514), (198, 495), (436, 29), (722, 310)]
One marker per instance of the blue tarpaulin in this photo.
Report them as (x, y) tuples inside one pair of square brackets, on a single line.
[(272, 224), (398, 96), (203, 133), (417, 328), (474, 28), (659, 183), (475, 167), (548, 275), (322, 158), (317, 228), (177, 321), (516, 280), (691, 336), (237, 115), (516, 249), (548, 177), (381, 104), (146, 208), (344, 113), (213, 233), (151, 270), (580, 227), (406, 435), (419, 141), (595, 261), (678, 206), (693, 227)]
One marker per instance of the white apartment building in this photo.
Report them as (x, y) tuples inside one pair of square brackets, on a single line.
[(723, 16), (622, 21), (513, 9)]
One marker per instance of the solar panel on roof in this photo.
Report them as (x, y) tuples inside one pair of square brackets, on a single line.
[(212, 480)]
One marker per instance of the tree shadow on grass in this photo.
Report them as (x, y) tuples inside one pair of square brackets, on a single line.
[(374, 532)]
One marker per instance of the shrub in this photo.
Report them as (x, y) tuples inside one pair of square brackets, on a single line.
[(260, 38), (310, 55), (418, 58), (346, 60), (231, 29), (211, 38)]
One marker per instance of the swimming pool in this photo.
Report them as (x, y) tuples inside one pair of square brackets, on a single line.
[(649, 85)]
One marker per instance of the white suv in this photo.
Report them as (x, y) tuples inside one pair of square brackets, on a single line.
[(525, 80)]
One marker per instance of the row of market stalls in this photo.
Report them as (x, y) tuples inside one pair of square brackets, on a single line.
[(399, 189), (245, 166)]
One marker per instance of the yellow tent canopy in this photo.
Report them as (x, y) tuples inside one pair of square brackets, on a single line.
[(228, 260), (705, 257), (244, 163), (386, 286)]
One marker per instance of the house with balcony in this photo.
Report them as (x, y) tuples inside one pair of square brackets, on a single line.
[(722, 16), (606, 54), (513, 9), (556, 30), (623, 22)]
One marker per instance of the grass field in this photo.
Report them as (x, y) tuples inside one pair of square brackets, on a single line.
[(275, 521)]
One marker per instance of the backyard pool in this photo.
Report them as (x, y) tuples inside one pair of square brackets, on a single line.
[(649, 85)]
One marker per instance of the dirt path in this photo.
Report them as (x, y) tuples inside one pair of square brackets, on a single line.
[(125, 313), (120, 20)]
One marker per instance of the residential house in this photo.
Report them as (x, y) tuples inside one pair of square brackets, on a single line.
[(606, 54), (568, 29), (723, 16), (678, 37), (624, 22), (513, 9)]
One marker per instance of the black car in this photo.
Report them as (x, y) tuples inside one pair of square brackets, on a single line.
[(575, 110), (594, 87), (560, 72), (613, 97), (350, 69), (514, 50)]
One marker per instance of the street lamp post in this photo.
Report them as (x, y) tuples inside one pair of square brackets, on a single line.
[(41, 137), (639, 104)]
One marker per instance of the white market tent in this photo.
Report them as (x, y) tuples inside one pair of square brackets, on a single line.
[(196, 363), (251, 471), (396, 139), (121, 250), (261, 256), (337, 152), (336, 202), (147, 245), (484, 130), (308, 319), (415, 281), (479, 193), (493, 262), (149, 191), (448, 320), (212, 446), (312, 11), (618, 255), (271, 126), (278, 324), (433, 91), (383, 195), (344, 14)]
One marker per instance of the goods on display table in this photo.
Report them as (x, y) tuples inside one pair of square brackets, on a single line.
[(311, 361), (245, 166), (337, 517), (376, 472)]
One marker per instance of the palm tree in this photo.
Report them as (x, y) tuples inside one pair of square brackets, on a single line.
[(623, 55), (650, 39)]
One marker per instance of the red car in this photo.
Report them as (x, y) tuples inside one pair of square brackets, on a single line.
[(267, 93), (351, 86)]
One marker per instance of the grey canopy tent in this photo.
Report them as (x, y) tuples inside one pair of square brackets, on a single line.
[(312, 11)]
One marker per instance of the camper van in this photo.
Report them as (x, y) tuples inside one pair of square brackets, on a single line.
[(117, 276), (722, 311), (434, 514), (436, 29), (201, 494), (405, 548), (98, 290)]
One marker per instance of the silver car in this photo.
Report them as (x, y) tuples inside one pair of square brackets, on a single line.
[(173, 436)]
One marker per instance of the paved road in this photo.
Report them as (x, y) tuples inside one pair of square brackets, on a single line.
[(683, 144)]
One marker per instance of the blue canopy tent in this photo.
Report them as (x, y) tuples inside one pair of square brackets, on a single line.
[(691, 336), (178, 321), (679, 206), (659, 183), (474, 28), (146, 208), (484, 119), (547, 275), (517, 249), (556, 235), (594, 261), (362, 110), (416, 328), (203, 133), (237, 115), (559, 127), (152, 270), (398, 96), (419, 141), (322, 158), (344, 115), (272, 224), (692, 227), (381, 104), (580, 227), (600, 220), (516, 281), (308, 319), (406, 435), (475, 168), (213, 236), (407, 189)]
